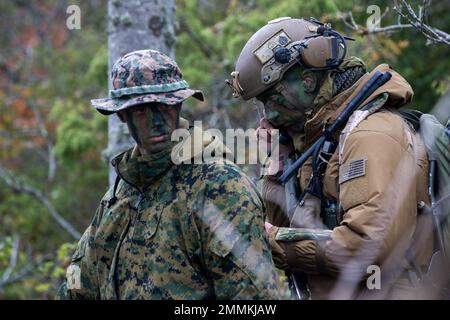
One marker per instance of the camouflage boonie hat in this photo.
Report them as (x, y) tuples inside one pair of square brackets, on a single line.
[(145, 76)]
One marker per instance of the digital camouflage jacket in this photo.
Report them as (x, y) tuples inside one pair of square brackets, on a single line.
[(196, 233)]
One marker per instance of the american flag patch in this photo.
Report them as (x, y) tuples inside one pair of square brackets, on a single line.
[(354, 169)]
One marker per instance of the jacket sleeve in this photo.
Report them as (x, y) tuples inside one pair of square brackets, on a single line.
[(237, 257), (377, 193), (81, 275), (274, 201)]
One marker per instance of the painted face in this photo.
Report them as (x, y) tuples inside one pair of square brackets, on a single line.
[(288, 109), (281, 113), (151, 125)]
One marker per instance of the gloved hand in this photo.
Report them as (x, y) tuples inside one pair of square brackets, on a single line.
[(305, 258), (278, 248), (264, 136)]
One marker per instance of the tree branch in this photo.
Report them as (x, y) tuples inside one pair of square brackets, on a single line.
[(21, 187), (205, 49), (404, 11), (19, 275), (10, 277), (433, 35), (388, 29), (43, 131), (12, 261), (350, 24)]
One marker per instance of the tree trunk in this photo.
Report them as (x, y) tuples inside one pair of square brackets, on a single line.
[(135, 25)]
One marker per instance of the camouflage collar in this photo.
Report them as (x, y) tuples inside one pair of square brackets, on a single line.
[(140, 171)]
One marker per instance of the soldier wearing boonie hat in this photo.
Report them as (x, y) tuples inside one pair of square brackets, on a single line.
[(167, 231)]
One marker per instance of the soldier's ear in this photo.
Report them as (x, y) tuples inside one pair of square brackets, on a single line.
[(310, 79)]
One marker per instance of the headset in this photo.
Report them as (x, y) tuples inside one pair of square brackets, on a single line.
[(324, 50)]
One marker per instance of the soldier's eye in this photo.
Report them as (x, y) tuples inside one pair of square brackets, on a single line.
[(140, 110), (163, 107)]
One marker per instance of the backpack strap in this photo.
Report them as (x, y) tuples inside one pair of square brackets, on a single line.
[(412, 117)]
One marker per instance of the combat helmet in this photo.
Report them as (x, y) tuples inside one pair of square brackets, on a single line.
[(278, 46)]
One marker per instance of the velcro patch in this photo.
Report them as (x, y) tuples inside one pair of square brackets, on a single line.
[(351, 170), (265, 52)]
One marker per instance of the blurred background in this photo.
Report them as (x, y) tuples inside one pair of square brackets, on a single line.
[(54, 146)]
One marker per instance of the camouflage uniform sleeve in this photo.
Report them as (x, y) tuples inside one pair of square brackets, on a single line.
[(297, 234), (236, 251), (81, 275)]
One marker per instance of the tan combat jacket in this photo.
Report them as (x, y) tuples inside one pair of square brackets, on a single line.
[(380, 224)]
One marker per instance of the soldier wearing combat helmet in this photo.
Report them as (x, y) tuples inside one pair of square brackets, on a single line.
[(167, 231), (356, 204)]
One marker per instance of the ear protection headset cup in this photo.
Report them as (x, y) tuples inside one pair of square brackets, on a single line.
[(318, 51), (325, 50)]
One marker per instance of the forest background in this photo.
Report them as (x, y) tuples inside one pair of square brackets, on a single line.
[(53, 168)]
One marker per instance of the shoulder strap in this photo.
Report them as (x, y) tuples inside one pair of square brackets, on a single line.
[(412, 117)]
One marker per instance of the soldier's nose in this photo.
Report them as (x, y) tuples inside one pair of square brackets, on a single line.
[(158, 119)]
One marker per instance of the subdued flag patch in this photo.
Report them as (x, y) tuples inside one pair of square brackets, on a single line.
[(351, 170)]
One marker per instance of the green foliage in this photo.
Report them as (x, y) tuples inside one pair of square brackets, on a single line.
[(40, 276), (225, 36), (98, 68), (76, 125), (57, 78)]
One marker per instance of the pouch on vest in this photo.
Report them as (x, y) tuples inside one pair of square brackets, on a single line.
[(73, 272)]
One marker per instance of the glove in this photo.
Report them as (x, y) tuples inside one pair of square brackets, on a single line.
[(278, 248)]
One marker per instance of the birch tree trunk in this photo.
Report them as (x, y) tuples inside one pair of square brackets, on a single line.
[(135, 25)]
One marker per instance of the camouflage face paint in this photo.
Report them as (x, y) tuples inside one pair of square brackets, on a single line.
[(303, 86), (280, 112), (151, 125), (279, 115), (290, 112)]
